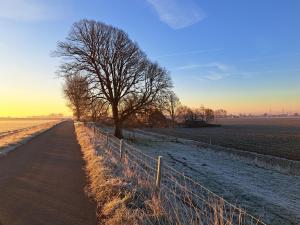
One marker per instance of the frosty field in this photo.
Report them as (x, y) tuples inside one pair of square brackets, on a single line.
[(17, 131), (270, 136), (268, 194), (16, 124)]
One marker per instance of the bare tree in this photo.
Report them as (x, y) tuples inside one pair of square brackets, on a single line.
[(199, 113), (76, 90), (81, 100), (98, 109), (198, 116), (172, 103), (184, 114), (220, 113), (157, 119), (209, 115), (116, 69)]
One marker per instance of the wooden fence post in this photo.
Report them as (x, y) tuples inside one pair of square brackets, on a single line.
[(121, 149), (158, 173)]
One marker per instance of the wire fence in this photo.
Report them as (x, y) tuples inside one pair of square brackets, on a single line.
[(184, 200)]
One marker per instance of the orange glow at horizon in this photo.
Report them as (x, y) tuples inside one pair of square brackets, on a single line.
[(40, 95), (21, 108), (41, 99), (20, 112), (33, 108), (254, 106)]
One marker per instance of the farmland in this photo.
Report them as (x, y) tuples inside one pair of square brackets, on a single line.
[(270, 136), (16, 124), (14, 132)]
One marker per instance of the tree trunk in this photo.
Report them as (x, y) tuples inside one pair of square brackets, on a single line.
[(173, 119), (117, 121), (118, 130)]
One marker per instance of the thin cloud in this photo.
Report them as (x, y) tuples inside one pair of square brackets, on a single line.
[(28, 10), (215, 65), (178, 14), (211, 71), (217, 76), (189, 53)]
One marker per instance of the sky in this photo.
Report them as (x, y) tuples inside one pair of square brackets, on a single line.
[(242, 56)]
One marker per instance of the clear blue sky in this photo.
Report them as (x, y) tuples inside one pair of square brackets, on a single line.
[(243, 56)]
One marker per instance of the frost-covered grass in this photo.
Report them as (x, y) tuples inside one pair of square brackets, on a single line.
[(8, 125), (12, 140), (114, 194), (273, 196)]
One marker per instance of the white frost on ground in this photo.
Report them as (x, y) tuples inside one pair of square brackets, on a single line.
[(13, 140), (11, 125), (273, 196)]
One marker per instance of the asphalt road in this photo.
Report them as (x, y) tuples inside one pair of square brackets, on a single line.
[(42, 182)]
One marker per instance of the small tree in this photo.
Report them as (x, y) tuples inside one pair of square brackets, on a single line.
[(199, 114), (157, 119), (209, 115), (184, 113), (114, 67), (171, 105), (220, 113), (76, 92)]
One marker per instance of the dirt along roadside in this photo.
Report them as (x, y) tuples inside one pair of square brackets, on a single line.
[(43, 181)]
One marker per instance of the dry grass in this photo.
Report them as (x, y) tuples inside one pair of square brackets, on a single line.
[(116, 197)]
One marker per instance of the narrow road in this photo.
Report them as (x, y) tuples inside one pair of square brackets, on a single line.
[(42, 182)]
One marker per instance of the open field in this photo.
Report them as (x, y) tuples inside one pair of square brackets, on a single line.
[(16, 124), (270, 136), (19, 131)]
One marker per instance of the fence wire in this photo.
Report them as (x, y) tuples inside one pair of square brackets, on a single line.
[(183, 199)]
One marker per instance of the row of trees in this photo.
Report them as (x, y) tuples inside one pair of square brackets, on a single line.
[(167, 112), (107, 74)]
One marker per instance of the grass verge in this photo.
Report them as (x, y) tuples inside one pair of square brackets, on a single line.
[(119, 199)]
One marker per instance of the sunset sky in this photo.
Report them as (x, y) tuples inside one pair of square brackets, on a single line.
[(243, 56)]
